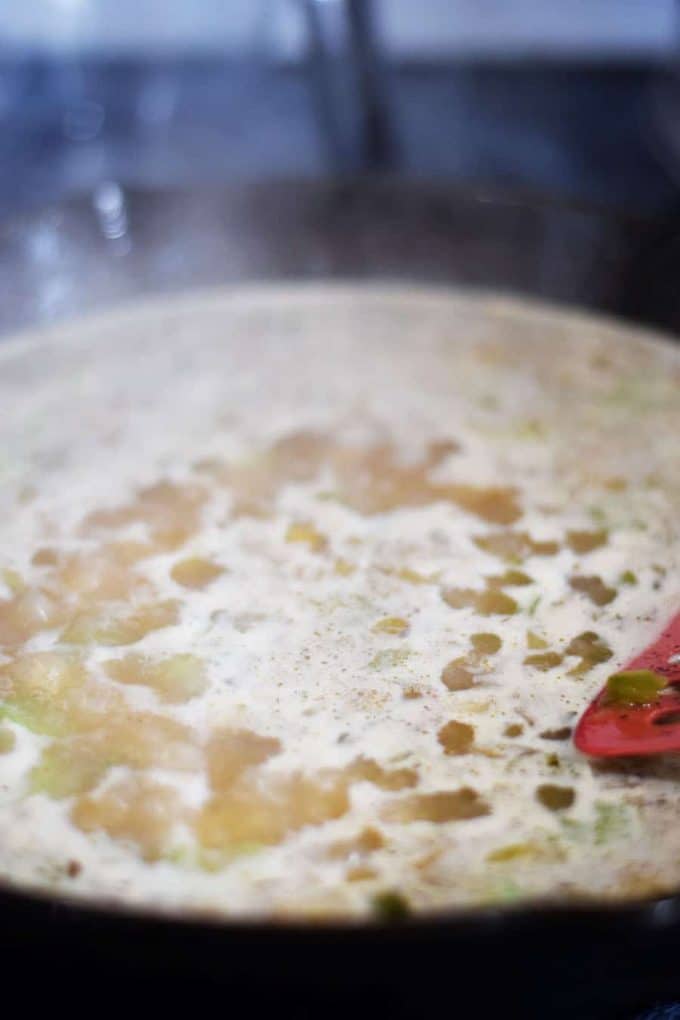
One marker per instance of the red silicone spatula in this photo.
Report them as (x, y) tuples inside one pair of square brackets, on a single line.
[(609, 730)]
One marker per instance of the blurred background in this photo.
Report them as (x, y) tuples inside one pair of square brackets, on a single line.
[(527, 145), (572, 100)]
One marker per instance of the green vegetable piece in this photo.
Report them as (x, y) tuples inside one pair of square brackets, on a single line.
[(612, 821), (7, 740), (391, 906), (628, 577), (634, 687), (67, 768), (389, 658), (510, 891)]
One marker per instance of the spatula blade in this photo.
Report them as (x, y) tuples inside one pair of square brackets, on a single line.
[(608, 730)]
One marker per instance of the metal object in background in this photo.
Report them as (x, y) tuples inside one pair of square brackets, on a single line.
[(375, 132), (348, 87)]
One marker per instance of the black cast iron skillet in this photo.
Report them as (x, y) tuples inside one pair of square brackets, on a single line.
[(569, 961), (587, 962)]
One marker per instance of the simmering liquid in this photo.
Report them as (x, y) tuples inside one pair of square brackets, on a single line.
[(302, 592)]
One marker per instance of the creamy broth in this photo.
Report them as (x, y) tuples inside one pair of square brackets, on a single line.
[(303, 591)]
